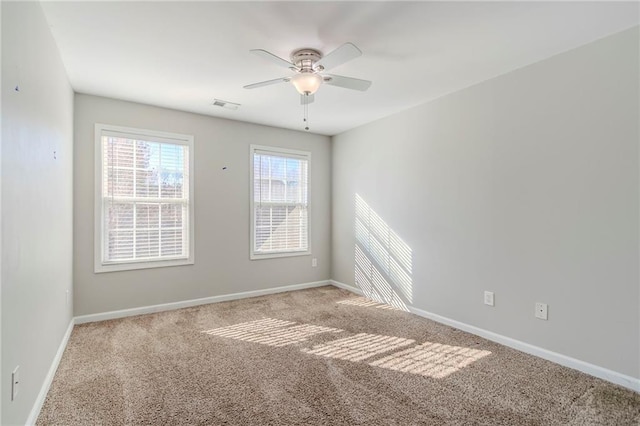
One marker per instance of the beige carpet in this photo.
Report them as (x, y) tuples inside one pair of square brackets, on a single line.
[(314, 357)]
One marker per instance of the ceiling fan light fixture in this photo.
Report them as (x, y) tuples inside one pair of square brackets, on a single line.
[(307, 83)]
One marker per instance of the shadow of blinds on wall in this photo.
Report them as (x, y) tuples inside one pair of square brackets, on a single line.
[(383, 261)]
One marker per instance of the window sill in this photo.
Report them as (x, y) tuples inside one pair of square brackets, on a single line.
[(129, 266), (260, 256)]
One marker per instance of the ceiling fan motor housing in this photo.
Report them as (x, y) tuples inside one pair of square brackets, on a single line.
[(305, 59)]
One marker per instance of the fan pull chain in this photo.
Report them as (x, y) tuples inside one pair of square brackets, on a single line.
[(305, 107)]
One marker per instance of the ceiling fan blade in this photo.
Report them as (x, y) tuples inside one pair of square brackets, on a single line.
[(346, 82), (273, 58), (306, 99), (342, 54), (267, 83)]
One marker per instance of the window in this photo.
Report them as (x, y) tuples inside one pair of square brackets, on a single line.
[(279, 202), (144, 199)]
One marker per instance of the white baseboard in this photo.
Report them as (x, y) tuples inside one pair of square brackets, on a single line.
[(42, 395), (194, 302), (344, 286), (585, 367)]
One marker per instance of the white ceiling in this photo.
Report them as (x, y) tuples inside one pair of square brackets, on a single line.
[(182, 55)]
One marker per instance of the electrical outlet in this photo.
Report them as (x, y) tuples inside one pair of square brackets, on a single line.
[(314, 262), (66, 295), (488, 298), (542, 311), (14, 383)]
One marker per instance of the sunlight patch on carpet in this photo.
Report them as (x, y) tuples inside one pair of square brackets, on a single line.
[(272, 332), (365, 303), (431, 359), (428, 359), (359, 347)]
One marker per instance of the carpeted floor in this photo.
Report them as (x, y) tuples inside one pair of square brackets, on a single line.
[(314, 357)]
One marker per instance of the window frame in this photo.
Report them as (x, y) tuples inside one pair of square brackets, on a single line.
[(100, 265), (286, 152)]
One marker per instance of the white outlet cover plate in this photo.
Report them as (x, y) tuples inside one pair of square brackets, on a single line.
[(15, 380), (542, 311), (488, 298)]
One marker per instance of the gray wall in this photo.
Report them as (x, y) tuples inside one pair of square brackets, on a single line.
[(222, 264), (525, 185), (36, 203)]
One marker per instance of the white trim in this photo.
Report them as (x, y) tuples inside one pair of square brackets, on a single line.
[(347, 287), (44, 389), (283, 152), (194, 302), (141, 264), (628, 382), (98, 237), (277, 254)]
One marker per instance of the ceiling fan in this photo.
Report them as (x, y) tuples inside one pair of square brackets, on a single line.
[(309, 66)]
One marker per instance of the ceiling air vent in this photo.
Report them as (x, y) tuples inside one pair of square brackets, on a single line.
[(225, 104)]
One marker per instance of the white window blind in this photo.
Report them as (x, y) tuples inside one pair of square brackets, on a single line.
[(280, 198), (145, 199)]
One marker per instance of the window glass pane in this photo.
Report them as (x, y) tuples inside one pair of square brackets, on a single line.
[(171, 184), (147, 243), (119, 151), (262, 239), (120, 245), (277, 179), (147, 164), (294, 181), (172, 216), (120, 182), (147, 216), (146, 183), (171, 242), (263, 216), (119, 216)]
